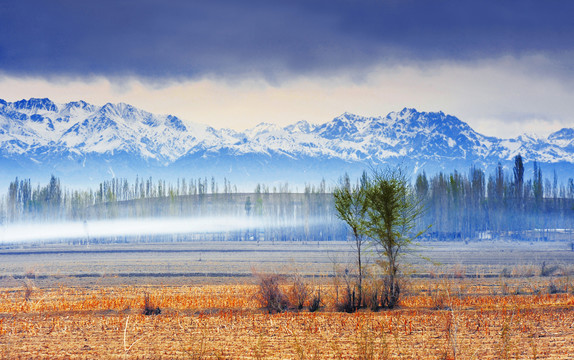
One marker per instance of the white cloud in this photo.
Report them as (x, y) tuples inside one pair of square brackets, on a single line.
[(503, 97)]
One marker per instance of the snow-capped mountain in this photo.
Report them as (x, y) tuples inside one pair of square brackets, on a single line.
[(77, 138), (38, 127)]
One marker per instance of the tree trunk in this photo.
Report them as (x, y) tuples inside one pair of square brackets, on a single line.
[(360, 287)]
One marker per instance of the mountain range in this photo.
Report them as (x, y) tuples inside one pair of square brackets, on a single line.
[(84, 143)]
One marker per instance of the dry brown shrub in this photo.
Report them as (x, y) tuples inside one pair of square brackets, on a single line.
[(316, 301), (546, 270), (349, 300), (346, 302), (30, 274), (459, 271), (440, 296), (299, 292), (28, 289), (371, 298), (372, 289), (269, 294), (149, 306)]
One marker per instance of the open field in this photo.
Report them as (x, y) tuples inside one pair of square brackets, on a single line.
[(480, 302), (220, 261), (211, 321)]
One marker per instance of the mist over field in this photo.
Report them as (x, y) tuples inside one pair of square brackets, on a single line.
[(134, 228), (515, 204)]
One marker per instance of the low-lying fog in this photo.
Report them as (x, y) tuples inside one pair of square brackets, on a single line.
[(23, 232)]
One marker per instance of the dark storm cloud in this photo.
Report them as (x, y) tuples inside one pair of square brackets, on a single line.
[(183, 38)]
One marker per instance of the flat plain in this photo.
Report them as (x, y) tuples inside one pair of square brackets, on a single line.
[(460, 301)]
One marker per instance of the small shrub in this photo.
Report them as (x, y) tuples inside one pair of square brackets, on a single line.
[(547, 270), (347, 303), (390, 293), (28, 289), (372, 284), (30, 274), (270, 295), (149, 307), (316, 301), (528, 271), (299, 292), (371, 298), (504, 289), (506, 273), (371, 291), (459, 272), (439, 299), (554, 288)]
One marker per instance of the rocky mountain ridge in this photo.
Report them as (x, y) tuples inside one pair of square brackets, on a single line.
[(77, 135)]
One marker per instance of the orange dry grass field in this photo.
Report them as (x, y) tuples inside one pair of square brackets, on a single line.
[(457, 319)]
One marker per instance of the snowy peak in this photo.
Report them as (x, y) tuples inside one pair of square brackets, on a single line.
[(41, 129), (411, 120), (563, 138), (405, 133), (264, 129), (79, 105), (407, 112), (175, 123), (344, 127), (302, 127), (126, 112), (563, 134), (80, 128), (77, 108), (35, 105)]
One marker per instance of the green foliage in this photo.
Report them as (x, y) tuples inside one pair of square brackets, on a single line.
[(383, 208), (392, 210), (350, 204)]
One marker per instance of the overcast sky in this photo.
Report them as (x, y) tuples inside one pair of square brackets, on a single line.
[(504, 67)]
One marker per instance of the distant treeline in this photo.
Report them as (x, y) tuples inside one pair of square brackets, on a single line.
[(470, 205), (25, 202), (459, 205), (283, 215)]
